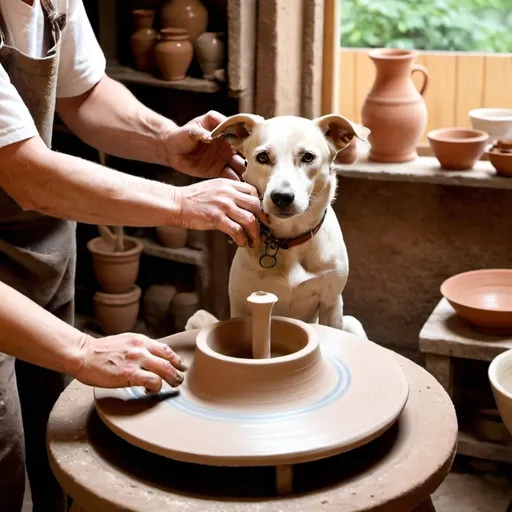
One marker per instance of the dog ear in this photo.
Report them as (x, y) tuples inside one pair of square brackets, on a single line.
[(339, 131), (237, 128)]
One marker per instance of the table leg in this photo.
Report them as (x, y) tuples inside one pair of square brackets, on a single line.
[(441, 367), (426, 506)]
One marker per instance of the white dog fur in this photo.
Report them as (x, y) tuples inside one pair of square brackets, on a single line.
[(290, 163)]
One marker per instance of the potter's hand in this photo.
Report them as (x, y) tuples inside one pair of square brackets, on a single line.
[(191, 150), (128, 360), (232, 207)]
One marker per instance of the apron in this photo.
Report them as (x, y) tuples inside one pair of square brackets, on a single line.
[(37, 258)]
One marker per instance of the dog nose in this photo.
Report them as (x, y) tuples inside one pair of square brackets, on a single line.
[(282, 198)]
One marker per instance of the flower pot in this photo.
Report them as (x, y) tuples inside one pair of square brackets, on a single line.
[(172, 236), (174, 54), (394, 110), (143, 40), (117, 313), (209, 49), (191, 15), (116, 272)]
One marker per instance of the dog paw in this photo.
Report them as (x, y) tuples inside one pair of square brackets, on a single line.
[(354, 326), (199, 320)]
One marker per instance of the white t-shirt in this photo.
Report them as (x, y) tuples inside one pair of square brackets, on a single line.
[(82, 63)]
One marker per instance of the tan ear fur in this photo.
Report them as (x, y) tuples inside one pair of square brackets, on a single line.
[(237, 128), (339, 131)]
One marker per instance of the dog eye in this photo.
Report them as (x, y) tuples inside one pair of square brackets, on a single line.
[(308, 157), (263, 158)]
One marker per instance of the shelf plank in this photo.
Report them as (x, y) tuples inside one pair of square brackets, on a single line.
[(128, 75), (471, 446), (181, 255), (425, 170), (446, 333)]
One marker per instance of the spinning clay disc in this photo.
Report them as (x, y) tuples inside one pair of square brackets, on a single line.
[(323, 392)]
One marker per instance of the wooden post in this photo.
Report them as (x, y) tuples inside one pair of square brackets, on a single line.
[(331, 57)]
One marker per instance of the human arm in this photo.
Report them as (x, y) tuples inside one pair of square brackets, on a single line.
[(32, 334)]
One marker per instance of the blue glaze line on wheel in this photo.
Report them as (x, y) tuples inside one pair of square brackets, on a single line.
[(181, 403)]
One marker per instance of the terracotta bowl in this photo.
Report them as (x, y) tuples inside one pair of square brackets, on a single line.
[(483, 298), (500, 156), (458, 149), (497, 122), (500, 376)]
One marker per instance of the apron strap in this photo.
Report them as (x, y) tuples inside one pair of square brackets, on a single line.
[(54, 18)]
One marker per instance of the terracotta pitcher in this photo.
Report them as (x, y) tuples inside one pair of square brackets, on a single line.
[(188, 14), (174, 53), (394, 110), (143, 40)]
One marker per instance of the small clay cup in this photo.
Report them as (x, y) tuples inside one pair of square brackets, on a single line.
[(500, 376), (458, 149), (117, 313), (172, 236), (500, 156), (116, 272), (348, 155)]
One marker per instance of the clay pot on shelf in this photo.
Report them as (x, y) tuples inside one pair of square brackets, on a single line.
[(116, 272), (500, 156), (183, 306), (348, 155), (197, 239), (143, 40), (174, 53), (457, 149), (394, 110), (497, 122), (172, 236), (117, 312), (191, 15), (209, 49), (155, 307)]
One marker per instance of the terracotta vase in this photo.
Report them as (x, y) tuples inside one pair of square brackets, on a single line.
[(394, 110), (144, 39), (117, 312), (174, 53), (209, 48), (116, 272), (191, 15)]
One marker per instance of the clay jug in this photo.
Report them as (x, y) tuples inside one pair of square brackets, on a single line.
[(174, 53), (143, 40), (209, 48), (188, 14), (394, 110)]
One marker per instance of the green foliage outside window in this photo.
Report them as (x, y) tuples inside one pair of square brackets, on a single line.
[(449, 25)]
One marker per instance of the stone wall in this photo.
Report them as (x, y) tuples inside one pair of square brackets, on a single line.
[(404, 239)]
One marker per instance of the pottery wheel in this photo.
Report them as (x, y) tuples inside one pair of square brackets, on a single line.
[(332, 393)]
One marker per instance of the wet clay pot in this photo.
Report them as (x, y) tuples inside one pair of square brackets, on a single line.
[(500, 156), (116, 272), (209, 48), (117, 312), (174, 53), (394, 110), (191, 15), (143, 40), (457, 149)]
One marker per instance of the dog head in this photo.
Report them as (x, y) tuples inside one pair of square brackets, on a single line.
[(289, 158)]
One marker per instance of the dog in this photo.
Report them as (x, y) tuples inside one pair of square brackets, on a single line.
[(301, 257)]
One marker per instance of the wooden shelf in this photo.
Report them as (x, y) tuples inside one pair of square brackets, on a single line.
[(182, 255), (132, 76), (471, 446), (425, 170)]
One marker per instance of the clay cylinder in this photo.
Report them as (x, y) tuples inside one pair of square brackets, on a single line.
[(116, 272), (183, 306), (394, 110), (174, 54), (191, 15), (143, 40), (261, 304), (117, 313), (209, 49)]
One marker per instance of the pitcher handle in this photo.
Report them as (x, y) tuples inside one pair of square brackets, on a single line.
[(421, 69)]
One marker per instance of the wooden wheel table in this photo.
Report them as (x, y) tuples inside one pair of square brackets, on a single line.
[(395, 473)]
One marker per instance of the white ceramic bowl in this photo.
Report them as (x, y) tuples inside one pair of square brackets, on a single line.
[(500, 375), (497, 122)]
